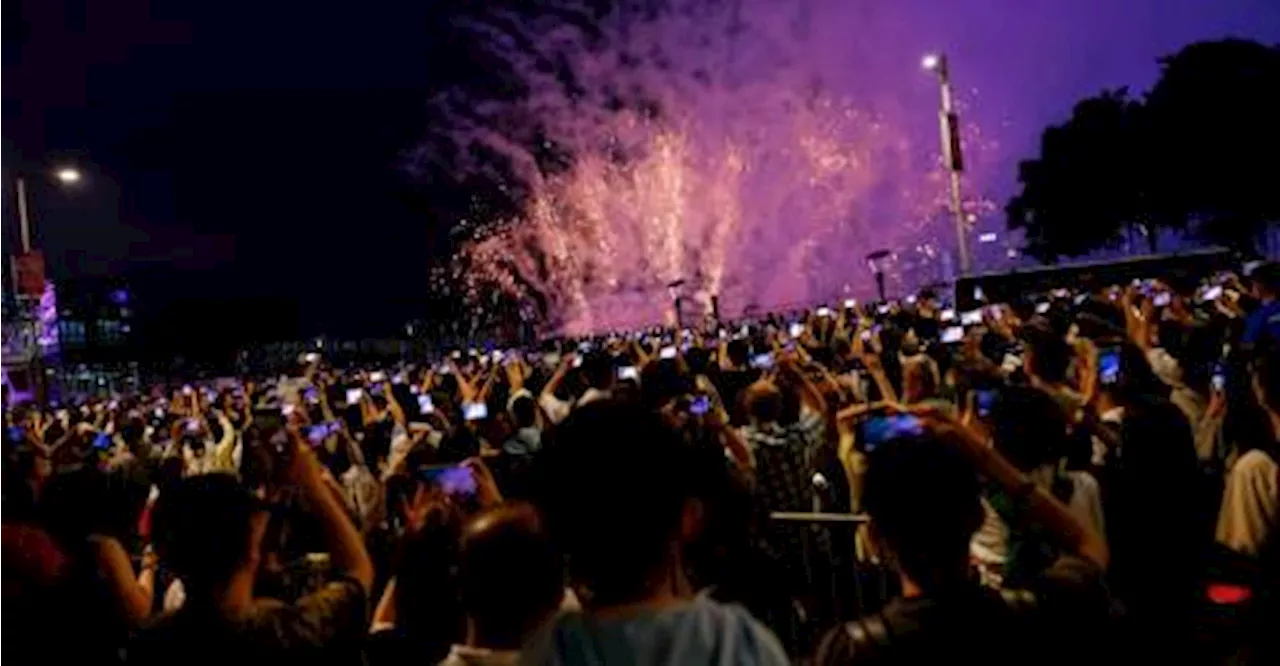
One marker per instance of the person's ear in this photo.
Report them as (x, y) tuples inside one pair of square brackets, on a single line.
[(692, 519)]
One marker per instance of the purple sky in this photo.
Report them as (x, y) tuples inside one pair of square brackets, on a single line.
[(1030, 60)]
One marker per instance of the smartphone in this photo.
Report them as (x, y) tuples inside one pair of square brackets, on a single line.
[(628, 372), (701, 404), (1212, 293), (354, 395), (311, 394), (316, 434), (866, 336), (1161, 299), (193, 425), (1109, 365), (978, 294), (667, 352), (971, 318), (186, 389), (288, 409), (475, 411), (883, 309), (1218, 380), (947, 315), (876, 431), (102, 441), (425, 405), (796, 329), (985, 401), (911, 300), (824, 312), (1042, 308), (850, 303), (952, 334), (311, 357), (577, 361), (452, 479), (378, 377), (15, 433), (762, 361)]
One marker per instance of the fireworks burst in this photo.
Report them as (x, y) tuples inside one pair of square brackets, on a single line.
[(757, 186)]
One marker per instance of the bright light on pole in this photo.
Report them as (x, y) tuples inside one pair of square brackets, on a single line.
[(950, 126), (67, 175)]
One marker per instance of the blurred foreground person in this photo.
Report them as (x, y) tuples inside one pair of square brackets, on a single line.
[(209, 530), (923, 495), (620, 503)]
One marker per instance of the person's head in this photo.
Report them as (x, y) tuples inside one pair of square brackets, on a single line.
[(209, 529), (524, 411), (923, 499), (1046, 354), (919, 378), (618, 496), (510, 575), (1029, 427), (1266, 281), (763, 401), (597, 371)]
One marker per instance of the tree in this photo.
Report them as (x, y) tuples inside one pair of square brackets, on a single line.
[(1085, 189), (1213, 120), (1200, 153)]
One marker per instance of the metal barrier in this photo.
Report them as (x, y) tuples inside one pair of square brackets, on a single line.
[(834, 585)]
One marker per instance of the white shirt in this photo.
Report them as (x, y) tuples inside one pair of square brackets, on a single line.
[(1250, 503)]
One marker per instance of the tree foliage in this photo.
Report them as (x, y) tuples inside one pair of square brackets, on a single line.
[(1199, 152)]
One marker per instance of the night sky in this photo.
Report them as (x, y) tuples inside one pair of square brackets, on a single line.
[(254, 149)]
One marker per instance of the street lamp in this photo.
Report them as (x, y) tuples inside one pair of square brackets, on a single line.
[(950, 127), (67, 175), (875, 261)]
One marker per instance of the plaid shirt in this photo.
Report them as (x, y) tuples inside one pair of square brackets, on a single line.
[(785, 458), (784, 461)]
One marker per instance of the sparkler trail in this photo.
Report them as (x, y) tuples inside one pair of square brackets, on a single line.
[(700, 148)]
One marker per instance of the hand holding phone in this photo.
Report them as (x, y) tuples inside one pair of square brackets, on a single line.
[(455, 480), (877, 431)]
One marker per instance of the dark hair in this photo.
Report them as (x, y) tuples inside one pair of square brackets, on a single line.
[(616, 482), (763, 404), (1050, 353), (525, 411), (1267, 277), (201, 527), (1030, 427), (597, 370), (923, 498), (509, 573)]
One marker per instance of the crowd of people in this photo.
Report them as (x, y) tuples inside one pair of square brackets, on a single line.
[(1086, 474)]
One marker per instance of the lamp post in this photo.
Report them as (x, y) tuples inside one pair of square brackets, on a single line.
[(875, 261), (32, 270), (949, 124), (673, 290), (65, 175)]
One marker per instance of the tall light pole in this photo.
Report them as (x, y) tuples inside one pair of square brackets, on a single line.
[(28, 294), (65, 175), (950, 127)]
